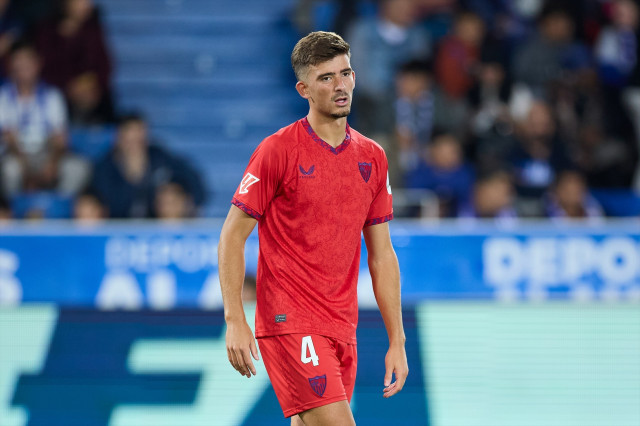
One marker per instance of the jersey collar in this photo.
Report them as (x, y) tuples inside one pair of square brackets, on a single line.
[(337, 150)]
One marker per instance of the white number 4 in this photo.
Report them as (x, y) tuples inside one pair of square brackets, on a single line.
[(307, 345)]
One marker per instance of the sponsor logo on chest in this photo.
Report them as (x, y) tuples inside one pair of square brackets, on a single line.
[(309, 173)]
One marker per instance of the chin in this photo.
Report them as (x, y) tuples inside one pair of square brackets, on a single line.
[(341, 114)]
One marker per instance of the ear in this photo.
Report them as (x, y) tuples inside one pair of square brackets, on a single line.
[(302, 89)]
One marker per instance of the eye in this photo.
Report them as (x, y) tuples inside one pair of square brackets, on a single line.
[(346, 73), (326, 78)]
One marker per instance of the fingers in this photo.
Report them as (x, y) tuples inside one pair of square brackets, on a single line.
[(388, 376), (240, 359), (395, 387), (254, 351), (248, 364), (232, 359)]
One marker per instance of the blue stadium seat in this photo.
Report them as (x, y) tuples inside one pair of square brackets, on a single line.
[(48, 204), (212, 76), (618, 203), (92, 142)]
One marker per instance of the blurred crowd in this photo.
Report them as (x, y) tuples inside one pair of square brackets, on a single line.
[(486, 108), (496, 108), (55, 97)]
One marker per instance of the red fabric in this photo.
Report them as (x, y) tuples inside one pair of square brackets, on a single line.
[(311, 202), (65, 58), (294, 381), (454, 65)]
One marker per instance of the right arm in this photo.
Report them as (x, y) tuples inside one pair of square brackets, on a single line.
[(239, 339)]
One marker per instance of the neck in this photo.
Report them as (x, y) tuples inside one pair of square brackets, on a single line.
[(26, 89), (331, 130)]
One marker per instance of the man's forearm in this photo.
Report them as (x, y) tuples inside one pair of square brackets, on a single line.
[(231, 271), (385, 274)]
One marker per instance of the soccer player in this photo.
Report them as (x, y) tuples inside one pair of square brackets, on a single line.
[(314, 188)]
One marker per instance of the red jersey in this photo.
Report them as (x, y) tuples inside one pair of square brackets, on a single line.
[(311, 202)]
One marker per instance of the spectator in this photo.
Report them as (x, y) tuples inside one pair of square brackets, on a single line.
[(173, 203), (491, 126), (511, 21), (605, 160), (34, 122), (380, 45), (76, 59), (128, 178), (457, 59), (616, 48), (414, 112), (544, 58), (455, 70), (445, 173), (88, 209), (537, 158), (492, 198), (569, 198), (10, 31)]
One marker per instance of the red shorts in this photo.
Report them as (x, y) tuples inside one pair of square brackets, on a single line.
[(309, 371)]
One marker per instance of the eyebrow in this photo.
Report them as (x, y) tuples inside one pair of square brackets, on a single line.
[(327, 74)]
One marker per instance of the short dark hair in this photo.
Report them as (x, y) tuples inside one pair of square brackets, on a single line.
[(416, 66), (131, 117), (315, 48), (23, 45)]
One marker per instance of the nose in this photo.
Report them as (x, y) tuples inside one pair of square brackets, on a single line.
[(340, 86)]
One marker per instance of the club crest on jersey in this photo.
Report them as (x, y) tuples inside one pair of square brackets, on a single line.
[(307, 173), (247, 181), (318, 384), (365, 170)]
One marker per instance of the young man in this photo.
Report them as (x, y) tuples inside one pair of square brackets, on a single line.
[(314, 187), (33, 127)]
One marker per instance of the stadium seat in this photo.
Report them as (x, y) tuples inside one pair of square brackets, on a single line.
[(212, 76), (92, 142), (42, 204)]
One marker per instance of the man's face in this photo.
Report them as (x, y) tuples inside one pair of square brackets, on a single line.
[(25, 67), (132, 137), (329, 87)]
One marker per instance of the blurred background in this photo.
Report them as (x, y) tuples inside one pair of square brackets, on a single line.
[(512, 132)]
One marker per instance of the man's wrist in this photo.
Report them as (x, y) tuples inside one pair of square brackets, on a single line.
[(397, 341), (235, 316)]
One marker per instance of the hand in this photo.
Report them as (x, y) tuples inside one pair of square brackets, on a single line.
[(395, 362), (58, 142), (240, 346), (10, 138)]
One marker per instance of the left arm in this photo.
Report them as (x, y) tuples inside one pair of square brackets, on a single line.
[(385, 274)]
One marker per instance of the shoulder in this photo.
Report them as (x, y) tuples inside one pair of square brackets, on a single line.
[(282, 141), (367, 144), (50, 93)]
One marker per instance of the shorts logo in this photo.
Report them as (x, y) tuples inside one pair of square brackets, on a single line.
[(365, 171), (307, 173), (247, 181), (281, 318), (318, 384)]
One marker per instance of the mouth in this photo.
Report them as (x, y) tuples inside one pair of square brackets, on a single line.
[(342, 101)]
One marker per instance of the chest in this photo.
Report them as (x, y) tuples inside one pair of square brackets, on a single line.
[(324, 183)]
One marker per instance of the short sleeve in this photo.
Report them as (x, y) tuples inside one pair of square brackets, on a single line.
[(381, 209), (261, 179)]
